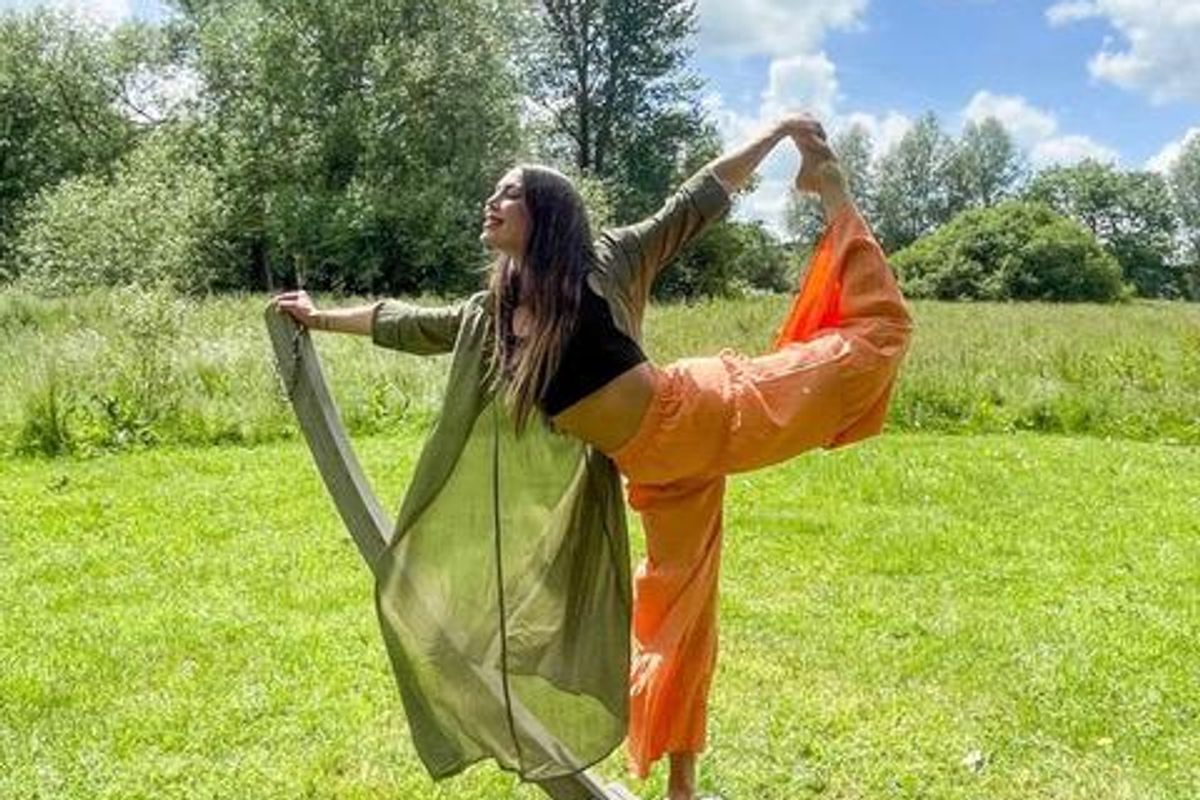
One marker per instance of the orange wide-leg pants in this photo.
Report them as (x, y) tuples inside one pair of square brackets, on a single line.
[(826, 383)]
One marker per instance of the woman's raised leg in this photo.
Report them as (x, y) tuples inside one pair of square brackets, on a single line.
[(829, 381)]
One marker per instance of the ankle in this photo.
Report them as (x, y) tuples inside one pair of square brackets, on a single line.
[(682, 783), (833, 191)]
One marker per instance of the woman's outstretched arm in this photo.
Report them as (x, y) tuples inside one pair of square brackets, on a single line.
[(355, 320), (395, 324)]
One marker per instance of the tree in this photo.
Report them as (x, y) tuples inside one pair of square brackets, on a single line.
[(912, 189), (1130, 213), (151, 224), (612, 76), (64, 110), (1012, 251), (1184, 177), (731, 258), (986, 166), (355, 141), (804, 216)]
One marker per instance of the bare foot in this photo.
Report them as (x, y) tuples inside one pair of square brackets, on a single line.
[(820, 172)]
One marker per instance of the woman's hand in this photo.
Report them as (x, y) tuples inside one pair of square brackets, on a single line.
[(300, 306), (733, 169), (800, 124)]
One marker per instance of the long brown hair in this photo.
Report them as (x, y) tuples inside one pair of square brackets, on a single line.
[(547, 282)]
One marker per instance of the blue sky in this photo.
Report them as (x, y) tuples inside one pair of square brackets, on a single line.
[(1117, 80), (1112, 79)]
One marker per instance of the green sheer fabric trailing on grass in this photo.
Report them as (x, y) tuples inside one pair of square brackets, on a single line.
[(504, 595)]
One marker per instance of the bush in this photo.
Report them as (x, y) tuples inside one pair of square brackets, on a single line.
[(1013, 251), (156, 222), (1130, 213), (46, 412)]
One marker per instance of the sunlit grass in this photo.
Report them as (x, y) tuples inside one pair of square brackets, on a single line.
[(921, 616)]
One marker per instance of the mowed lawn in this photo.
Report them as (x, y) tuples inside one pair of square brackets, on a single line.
[(920, 616)]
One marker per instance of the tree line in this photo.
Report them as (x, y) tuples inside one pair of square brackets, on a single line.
[(347, 146), (964, 218)]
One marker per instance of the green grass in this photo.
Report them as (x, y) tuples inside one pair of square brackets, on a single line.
[(194, 623), (118, 370)]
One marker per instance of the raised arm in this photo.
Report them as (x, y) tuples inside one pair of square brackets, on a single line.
[(650, 245)]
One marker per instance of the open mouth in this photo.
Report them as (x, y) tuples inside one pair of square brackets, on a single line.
[(492, 222)]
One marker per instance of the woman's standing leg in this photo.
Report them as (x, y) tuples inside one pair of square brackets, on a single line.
[(674, 626)]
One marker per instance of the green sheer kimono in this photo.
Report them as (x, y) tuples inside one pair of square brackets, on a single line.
[(504, 596)]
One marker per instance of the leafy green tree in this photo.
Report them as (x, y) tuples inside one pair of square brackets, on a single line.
[(986, 166), (730, 259), (1012, 251), (153, 223), (1130, 213), (1184, 177), (355, 141), (65, 104), (912, 185), (611, 77)]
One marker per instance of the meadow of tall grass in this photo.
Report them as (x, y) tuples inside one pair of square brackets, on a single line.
[(122, 369)]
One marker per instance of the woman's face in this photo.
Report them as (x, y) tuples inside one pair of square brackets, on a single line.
[(506, 222)]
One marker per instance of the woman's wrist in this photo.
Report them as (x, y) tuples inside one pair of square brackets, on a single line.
[(734, 169), (779, 130), (358, 320)]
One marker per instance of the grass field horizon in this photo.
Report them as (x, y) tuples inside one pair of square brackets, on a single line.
[(920, 616), (124, 369)]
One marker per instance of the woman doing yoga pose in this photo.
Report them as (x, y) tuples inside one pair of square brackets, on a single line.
[(562, 316)]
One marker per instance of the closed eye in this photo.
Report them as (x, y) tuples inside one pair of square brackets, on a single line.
[(512, 191)]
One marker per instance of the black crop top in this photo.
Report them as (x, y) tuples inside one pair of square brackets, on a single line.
[(597, 352)]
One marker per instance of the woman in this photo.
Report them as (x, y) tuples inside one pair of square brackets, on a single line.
[(555, 337)]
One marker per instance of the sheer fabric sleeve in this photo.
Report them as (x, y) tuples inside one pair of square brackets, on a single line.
[(650, 245), (421, 330)]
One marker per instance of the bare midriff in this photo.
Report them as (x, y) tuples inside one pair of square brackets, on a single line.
[(610, 416)]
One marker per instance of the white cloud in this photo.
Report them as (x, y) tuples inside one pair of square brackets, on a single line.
[(1162, 161), (773, 27), (1065, 13), (105, 12), (1160, 58), (1063, 150), (1027, 124), (807, 81), (1036, 130)]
